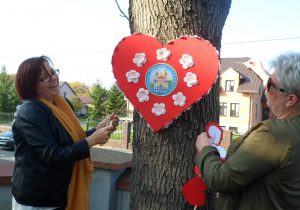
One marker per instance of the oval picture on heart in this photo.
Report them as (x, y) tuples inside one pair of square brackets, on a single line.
[(161, 79)]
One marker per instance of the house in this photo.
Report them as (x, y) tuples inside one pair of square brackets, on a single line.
[(242, 98), (129, 109), (65, 89), (85, 100)]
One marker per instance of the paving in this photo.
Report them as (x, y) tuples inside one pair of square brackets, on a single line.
[(4, 127)]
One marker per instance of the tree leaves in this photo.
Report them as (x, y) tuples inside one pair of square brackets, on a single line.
[(8, 96), (115, 100)]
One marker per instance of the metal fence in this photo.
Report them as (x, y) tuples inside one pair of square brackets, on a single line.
[(117, 135), (235, 135), (6, 117), (125, 114)]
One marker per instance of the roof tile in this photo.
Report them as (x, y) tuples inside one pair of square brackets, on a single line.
[(249, 82)]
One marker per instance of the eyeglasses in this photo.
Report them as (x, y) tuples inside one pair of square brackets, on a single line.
[(47, 78), (269, 85)]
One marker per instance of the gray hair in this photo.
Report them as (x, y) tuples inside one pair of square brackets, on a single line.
[(287, 69)]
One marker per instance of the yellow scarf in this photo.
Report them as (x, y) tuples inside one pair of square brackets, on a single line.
[(82, 175)]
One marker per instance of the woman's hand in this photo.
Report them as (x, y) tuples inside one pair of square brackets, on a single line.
[(101, 136), (203, 141), (257, 67), (113, 118), (103, 131)]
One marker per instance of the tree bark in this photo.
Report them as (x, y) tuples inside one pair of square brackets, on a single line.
[(164, 161)]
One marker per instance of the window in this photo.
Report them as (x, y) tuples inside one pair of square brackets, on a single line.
[(229, 86), (63, 94), (234, 129), (223, 109), (234, 110)]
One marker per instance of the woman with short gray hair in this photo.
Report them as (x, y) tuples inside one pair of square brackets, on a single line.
[(287, 68), (261, 170)]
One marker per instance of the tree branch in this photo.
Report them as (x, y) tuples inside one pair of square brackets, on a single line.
[(123, 14)]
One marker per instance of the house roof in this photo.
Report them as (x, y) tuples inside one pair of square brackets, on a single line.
[(61, 83), (249, 81), (85, 99)]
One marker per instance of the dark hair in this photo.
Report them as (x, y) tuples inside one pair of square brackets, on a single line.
[(28, 76)]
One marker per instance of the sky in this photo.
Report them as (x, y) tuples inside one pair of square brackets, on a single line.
[(80, 35)]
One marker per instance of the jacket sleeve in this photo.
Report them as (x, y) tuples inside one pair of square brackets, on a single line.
[(46, 138), (90, 132), (257, 155)]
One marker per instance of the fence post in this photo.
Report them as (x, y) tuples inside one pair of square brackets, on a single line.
[(128, 134), (87, 124), (125, 134)]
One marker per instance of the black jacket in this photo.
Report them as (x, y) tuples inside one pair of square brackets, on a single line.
[(44, 156)]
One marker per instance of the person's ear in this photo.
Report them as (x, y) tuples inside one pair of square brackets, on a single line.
[(292, 100)]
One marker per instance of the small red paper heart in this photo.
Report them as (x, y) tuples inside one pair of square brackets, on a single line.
[(193, 191), (162, 81), (213, 129)]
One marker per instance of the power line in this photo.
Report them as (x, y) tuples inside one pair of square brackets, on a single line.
[(89, 53), (264, 40), (86, 53), (63, 54)]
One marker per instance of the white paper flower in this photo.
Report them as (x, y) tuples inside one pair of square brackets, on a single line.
[(179, 99), (186, 61), (191, 79), (139, 59), (132, 76), (159, 109), (163, 54), (143, 95)]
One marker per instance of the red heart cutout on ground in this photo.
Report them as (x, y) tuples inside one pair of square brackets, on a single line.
[(162, 81), (193, 191)]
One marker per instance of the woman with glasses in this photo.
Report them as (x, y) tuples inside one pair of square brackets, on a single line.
[(53, 167), (261, 170)]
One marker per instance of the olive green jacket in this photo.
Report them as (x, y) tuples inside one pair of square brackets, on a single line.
[(262, 168)]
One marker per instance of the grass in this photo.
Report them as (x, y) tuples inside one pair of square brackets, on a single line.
[(235, 136), (117, 135)]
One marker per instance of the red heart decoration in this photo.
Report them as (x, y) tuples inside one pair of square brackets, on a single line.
[(213, 129), (162, 83), (193, 191)]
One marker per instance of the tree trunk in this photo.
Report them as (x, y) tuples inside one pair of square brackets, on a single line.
[(164, 161)]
